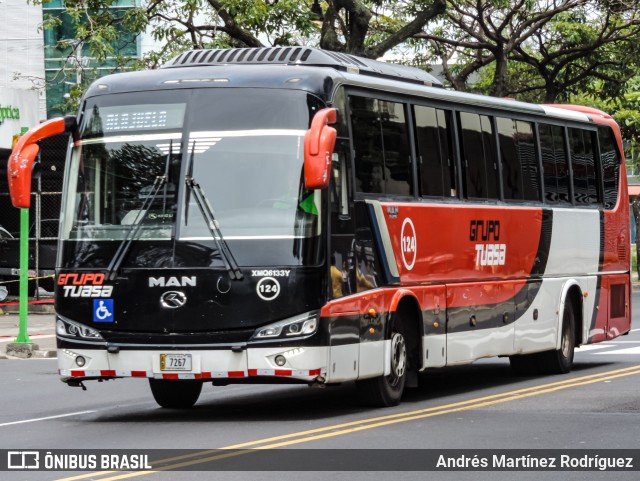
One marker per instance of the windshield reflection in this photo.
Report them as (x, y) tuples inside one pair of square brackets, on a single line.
[(246, 152)]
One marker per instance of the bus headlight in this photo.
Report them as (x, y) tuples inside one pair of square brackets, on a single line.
[(299, 326), (67, 328)]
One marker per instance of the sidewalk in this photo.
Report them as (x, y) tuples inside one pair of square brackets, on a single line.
[(40, 328)]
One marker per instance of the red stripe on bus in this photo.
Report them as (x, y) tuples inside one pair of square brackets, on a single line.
[(77, 373), (236, 373), (170, 376), (139, 373), (283, 372), (108, 373)]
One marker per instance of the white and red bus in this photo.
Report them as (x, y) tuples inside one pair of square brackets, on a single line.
[(297, 215)]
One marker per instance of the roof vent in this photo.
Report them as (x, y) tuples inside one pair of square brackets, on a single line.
[(303, 56)]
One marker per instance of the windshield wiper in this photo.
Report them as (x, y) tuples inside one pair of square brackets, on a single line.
[(228, 260), (141, 215)]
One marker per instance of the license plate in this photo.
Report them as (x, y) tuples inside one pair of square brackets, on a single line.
[(175, 362)]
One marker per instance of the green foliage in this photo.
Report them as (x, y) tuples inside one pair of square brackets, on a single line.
[(534, 50), (626, 112)]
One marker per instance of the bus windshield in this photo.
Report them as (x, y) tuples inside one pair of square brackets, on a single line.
[(243, 147)]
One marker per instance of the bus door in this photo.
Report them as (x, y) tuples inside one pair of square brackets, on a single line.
[(344, 328)]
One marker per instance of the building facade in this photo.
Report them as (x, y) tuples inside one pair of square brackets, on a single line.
[(68, 62)]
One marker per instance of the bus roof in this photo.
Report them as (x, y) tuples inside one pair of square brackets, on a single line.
[(317, 71)]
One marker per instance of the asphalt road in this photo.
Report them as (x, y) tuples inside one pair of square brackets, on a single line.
[(482, 406)]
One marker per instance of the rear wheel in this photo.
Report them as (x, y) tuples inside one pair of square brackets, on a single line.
[(387, 390), (175, 394), (560, 361)]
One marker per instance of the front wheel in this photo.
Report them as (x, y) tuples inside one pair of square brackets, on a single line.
[(175, 394), (386, 391)]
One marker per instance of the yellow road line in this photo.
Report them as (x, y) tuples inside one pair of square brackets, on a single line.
[(365, 424)]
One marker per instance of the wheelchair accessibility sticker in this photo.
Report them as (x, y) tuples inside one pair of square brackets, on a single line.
[(103, 310)]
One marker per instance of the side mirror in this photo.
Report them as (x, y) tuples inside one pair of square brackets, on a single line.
[(319, 142), (23, 156)]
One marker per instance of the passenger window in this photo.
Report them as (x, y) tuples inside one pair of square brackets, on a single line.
[(478, 156), (397, 158), (437, 172), (528, 160), (610, 160), (380, 140), (519, 160), (367, 143), (585, 190), (511, 171), (554, 163)]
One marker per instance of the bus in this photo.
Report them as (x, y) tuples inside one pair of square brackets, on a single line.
[(294, 215)]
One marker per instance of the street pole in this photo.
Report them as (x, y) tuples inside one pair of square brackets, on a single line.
[(23, 336)]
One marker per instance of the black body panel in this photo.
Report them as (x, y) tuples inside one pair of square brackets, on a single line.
[(213, 302)]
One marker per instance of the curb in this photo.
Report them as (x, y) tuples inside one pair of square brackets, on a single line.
[(38, 354), (32, 309)]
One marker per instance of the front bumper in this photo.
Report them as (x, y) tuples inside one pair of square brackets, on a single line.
[(305, 364)]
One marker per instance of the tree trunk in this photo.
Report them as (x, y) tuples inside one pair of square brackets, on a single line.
[(498, 86)]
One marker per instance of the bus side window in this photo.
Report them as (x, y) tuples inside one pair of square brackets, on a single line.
[(395, 140), (610, 160), (367, 144), (519, 160), (554, 163), (478, 157), (511, 171), (585, 191), (437, 174), (380, 140)]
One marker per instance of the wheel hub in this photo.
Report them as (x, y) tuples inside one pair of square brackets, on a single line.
[(398, 358)]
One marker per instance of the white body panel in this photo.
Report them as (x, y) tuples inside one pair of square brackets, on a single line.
[(466, 347), (373, 358), (575, 243), (434, 351)]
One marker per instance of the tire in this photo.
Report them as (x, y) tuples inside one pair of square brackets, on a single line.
[(175, 394), (560, 361), (385, 391)]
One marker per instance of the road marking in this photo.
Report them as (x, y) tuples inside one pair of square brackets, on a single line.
[(364, 424), (46, 418), (628, 351), (590, 347), (613, 343)]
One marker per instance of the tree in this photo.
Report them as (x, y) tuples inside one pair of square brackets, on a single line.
[(591, 49), (363, 27), (540, 48), (372, 28), (104, 30)]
